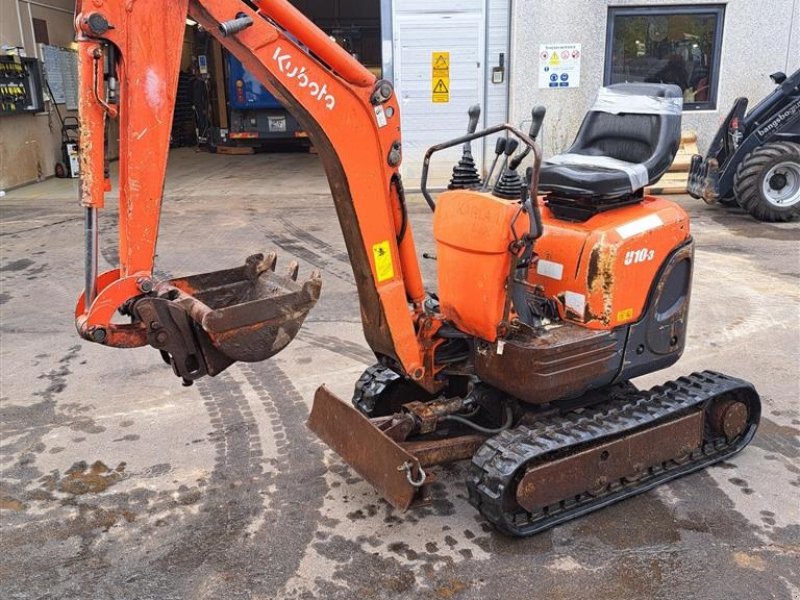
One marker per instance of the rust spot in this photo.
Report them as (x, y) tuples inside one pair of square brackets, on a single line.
[(8, 503), (749, 561), (600, 281), (450, 589), (81, 478)]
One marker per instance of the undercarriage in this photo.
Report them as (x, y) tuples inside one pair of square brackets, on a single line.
[(551, 463)]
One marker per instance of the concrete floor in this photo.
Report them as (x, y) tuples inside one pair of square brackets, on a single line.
[(119, 483)]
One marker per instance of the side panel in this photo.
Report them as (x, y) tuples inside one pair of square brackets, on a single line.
[(601, 270), (567, 360)]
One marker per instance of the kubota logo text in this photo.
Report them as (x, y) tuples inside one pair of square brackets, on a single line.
[(320, 92)]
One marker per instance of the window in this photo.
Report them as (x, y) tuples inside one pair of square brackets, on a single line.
[(675, 44)]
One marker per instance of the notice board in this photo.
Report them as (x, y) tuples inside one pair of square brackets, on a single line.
[(61, 71)]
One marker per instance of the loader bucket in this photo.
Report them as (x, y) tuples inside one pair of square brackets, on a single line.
[(385, 464), (204, 323)]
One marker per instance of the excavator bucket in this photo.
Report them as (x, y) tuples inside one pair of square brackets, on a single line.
[(204, 323)]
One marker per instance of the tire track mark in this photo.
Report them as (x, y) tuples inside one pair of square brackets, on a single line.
[(212, 559), (321, 245), (299, 481), (345, 348), (303, 247)]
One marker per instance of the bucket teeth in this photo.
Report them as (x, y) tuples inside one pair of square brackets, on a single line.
[(260, 263), (293, 270)]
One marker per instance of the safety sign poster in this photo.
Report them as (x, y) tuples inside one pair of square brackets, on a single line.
[(440, 76), (559, 66)]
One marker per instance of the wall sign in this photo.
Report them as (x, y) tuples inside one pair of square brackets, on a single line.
[(440, 76), (559, 66), (61, 70)]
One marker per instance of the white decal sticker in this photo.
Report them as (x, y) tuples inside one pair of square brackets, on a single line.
[(639, 226), (550, 269), (634, 257), (320, 92), (380, 116), (575, 303)]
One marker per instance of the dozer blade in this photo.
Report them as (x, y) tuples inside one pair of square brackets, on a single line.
[(204, 323), (374, 456)]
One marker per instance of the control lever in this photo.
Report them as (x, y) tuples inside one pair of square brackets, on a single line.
[(499, 149), (535, 214), (465, 173), (508, 182), (511, 146), (474, 113), (537, 118), (509, 185)]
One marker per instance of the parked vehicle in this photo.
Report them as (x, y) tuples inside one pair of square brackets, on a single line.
[(754, 160), (256, 116)]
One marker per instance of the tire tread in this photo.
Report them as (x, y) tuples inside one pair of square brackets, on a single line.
[(747, 186)]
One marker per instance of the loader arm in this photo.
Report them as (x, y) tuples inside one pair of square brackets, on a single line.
[(129, 56)]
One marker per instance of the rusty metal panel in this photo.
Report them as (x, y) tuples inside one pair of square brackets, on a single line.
[(437, 452), (561, 362), (364, 447), (596, 467)]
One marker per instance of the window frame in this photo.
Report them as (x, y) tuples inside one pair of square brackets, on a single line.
[(716, 10)]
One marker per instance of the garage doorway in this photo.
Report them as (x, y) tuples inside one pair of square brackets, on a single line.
[(474, 34)]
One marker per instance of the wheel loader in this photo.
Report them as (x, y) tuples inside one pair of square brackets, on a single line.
[(754, 158), (558, 282)]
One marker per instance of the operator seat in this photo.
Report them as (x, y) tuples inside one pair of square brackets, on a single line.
[(627, 141)]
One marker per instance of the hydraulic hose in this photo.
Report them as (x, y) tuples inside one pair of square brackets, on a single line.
[(481, 428)]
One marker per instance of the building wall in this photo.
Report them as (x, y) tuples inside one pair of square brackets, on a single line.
[(30, 145), (759, 38)]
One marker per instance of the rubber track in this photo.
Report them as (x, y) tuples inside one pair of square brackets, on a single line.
[(497, 465)]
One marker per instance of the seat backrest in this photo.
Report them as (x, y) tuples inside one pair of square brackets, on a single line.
[(634, 122)]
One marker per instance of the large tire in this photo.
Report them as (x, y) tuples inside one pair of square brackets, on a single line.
[(767, 182)]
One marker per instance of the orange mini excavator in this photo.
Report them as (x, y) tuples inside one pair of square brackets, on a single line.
[(556, 286)]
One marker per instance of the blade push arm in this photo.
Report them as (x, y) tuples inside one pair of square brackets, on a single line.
[(352, 119)]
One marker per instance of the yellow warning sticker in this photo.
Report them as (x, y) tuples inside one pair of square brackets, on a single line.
[(625, 315), (440, 61), (441, 90), (440, 76), (383, 261), (554, 60)]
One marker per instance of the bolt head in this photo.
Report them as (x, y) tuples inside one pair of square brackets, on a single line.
[(97, 23), (145, 284), (98, 334)]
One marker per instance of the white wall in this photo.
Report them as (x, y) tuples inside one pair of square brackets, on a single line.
[(760, 37)]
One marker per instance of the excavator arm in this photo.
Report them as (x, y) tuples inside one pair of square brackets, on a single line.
[(129, 56)]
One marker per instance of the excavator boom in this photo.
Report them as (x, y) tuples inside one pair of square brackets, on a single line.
[(128, 63)]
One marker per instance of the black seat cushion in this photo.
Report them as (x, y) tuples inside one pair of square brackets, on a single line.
[(615, 152)]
